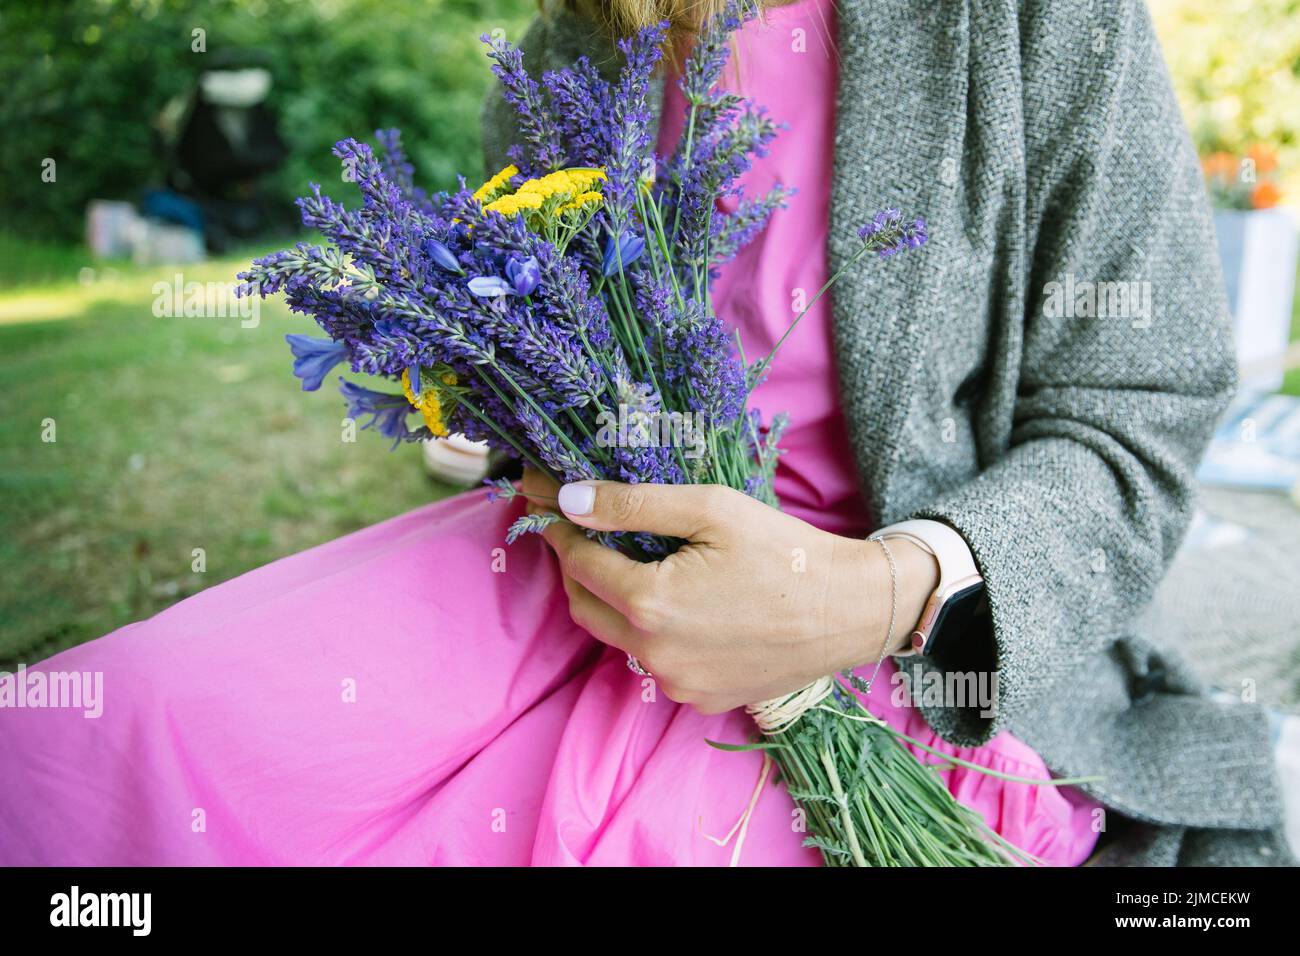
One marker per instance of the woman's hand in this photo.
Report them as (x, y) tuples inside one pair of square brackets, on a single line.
[(755, 605)]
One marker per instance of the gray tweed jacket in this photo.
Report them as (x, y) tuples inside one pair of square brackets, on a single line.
[(1042, 143)]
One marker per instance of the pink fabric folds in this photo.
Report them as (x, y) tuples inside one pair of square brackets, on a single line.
[(398, 696)]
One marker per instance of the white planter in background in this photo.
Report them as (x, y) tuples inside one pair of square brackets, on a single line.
[(456, 460), (1258, 252)]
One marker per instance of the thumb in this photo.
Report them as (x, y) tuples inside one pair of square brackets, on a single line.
[(682, 511)]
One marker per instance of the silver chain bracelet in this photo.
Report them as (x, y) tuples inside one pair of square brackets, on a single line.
[(893, 612)]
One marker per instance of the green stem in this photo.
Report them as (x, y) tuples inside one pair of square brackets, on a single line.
[(1052, 782), (850, 833), (766, 362), (487, 420), (558, 432)]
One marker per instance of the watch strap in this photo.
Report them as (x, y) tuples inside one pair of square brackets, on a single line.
[(957, 571)]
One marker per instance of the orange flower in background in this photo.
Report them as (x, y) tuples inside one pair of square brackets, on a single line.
[(1265, 195), (1246, 181), (1219, 164), (1264, 157)]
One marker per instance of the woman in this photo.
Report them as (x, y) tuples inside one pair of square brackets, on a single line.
[(466, 715)]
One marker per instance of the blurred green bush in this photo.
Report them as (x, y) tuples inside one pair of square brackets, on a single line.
[(1236, 67), (82, 82)]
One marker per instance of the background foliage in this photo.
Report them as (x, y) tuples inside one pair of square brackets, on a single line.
[(1236, 67), (84, 81)]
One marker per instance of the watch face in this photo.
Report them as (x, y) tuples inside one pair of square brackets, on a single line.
[(958, 617)]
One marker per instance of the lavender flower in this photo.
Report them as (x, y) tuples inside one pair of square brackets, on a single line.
[(583, 107), (398, 169), (731, 233), (389, 412), (631, 122), (561, 460), (389, 348), (888, 233), (724, 152), (500, 489), (542, 151), (712, 51), (313, 359), (531, 524)]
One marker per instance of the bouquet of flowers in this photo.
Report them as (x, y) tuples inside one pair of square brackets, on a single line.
[(570, 293)]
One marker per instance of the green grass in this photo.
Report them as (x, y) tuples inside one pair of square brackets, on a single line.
[(171, 434)]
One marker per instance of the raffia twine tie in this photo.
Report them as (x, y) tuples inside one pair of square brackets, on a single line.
[(772, 717), (780, 713)]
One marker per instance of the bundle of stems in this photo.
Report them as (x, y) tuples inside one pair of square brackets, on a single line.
[(870, 802)]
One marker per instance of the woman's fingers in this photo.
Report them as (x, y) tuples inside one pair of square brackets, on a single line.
[(613, 577), (683, 511), (540, 489), (597, 618)]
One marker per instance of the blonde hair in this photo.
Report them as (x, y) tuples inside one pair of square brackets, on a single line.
[(685, 17), (626, 17)]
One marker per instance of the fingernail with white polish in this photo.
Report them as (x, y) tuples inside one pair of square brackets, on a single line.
[(577, 499)]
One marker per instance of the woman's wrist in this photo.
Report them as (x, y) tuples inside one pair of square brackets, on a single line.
[(918, 576), (865, 591)]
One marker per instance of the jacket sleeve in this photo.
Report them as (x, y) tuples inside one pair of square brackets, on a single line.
[(1074, 525)]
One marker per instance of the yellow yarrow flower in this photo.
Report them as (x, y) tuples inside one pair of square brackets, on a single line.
[(572, 182), (427, 403), (583, 178), (568, 185), (407, 390), (514, 204), (589, 198), (490, 189)]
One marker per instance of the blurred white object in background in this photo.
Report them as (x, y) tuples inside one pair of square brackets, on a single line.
[(153, 242), (114, 229), (456, 460), (1287, 755), (1258, 250), (110, 225), (241, 88), (1257, 444)]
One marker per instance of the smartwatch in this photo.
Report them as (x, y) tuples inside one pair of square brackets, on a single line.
[(960, 594)]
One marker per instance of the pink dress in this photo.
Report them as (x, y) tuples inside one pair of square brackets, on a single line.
[(390, 698)]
